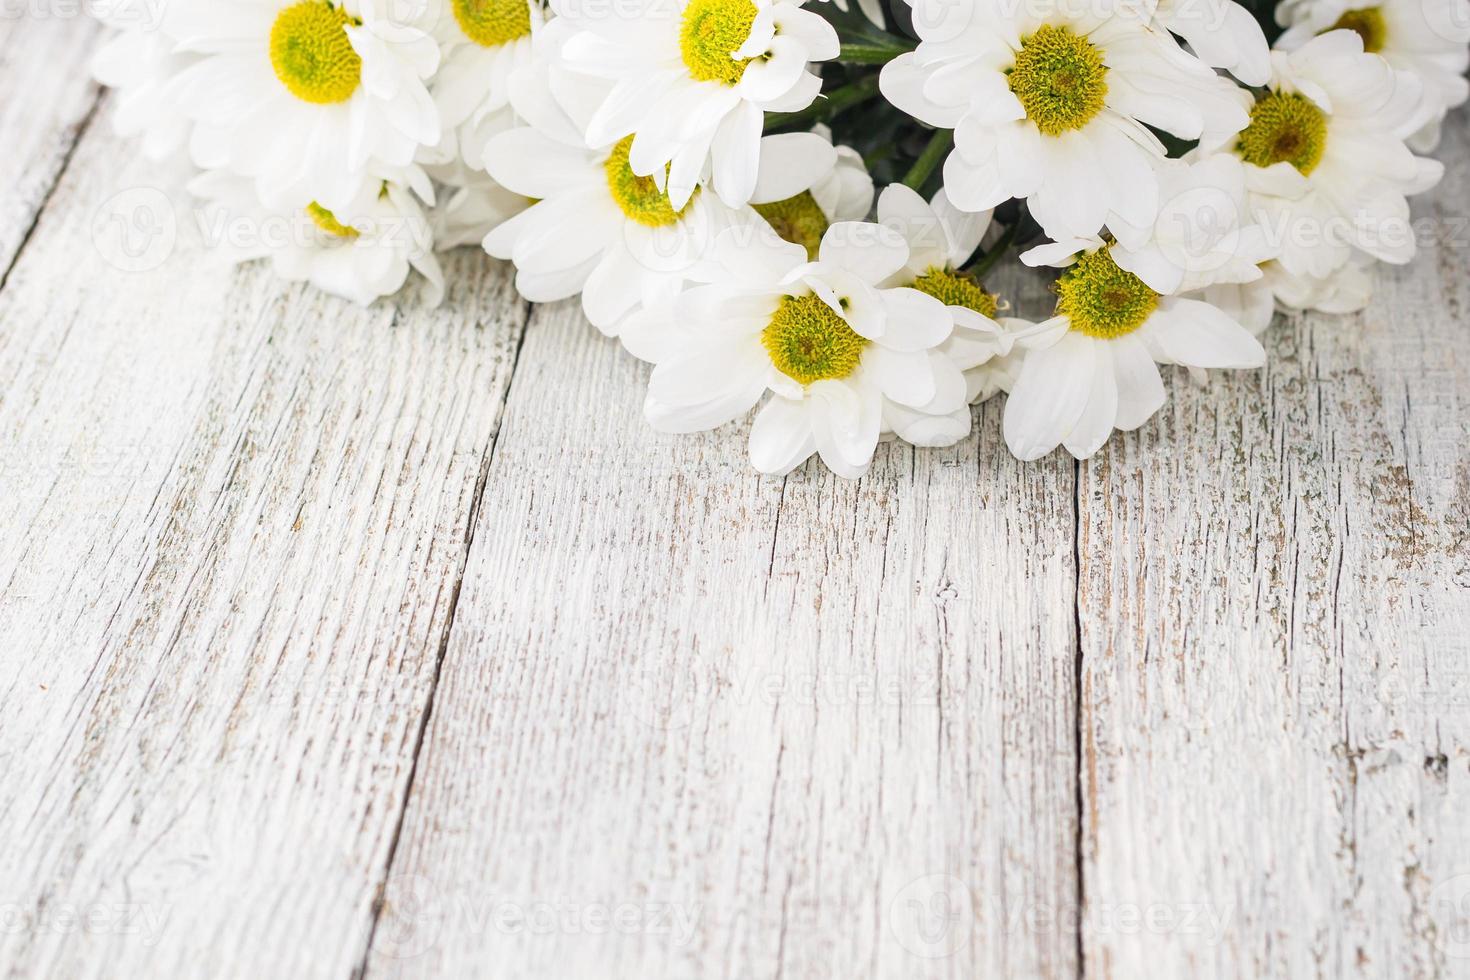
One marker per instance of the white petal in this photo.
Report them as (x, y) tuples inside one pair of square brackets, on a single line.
[(869, 251), (791, 163), (1196, 334), (916, 321), (845, 424), (1140, 389), (1096, 422), (781, 436), (736, 153), (1050, 395)]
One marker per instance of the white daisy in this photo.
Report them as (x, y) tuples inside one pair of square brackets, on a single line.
[(305, 95), (139, 63), (833, 346), (597, 228), (692, 81), (361, 251), (1051, 102), (482, 43), (1325, 156), (1092, 367), (1426, 37), (806, 184)]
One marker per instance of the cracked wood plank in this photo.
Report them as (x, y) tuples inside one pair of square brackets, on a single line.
[(235, 513), (49, 97), (1275, 616), (694, 722)]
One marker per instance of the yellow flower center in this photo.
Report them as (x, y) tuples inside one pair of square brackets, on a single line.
[(799, 220), (312, 55), (1102, 300), (808, 342), (956, 289), (1286, 127), (327, 222), (1060, 79), (1369, 24), (711, 33), (639, 197), (490, 23)]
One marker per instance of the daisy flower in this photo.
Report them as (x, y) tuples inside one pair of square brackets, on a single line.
[(1093, 367), (1325, 157), (691, 81), (303, 95), (361, 251), (1425, 37), (806, 184), (596, 227), (833, 346), (1052, 103)]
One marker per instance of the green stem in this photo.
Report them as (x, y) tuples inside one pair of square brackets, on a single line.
[(822, 109), (871, 54), (1000, 248), (939, 145)]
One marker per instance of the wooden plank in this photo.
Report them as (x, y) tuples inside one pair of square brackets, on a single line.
[(49, 99), (234, 517), (693, 722), (1274, 622)]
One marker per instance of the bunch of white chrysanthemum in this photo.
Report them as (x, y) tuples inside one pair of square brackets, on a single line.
[(701, 173)]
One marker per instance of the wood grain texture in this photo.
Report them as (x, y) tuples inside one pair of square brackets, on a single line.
[(1275, 628), (48, 98), (235, 513), (786, 728), (1199, 707)]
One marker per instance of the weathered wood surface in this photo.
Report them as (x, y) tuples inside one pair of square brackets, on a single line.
[(1276, 649), (48, 97), (235, 514), (798, 715), (339, 642)]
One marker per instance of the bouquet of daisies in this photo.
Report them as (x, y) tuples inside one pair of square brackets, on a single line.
[(793, 208)]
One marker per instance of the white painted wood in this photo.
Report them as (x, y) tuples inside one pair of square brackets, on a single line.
[(47, 97), (776, 725), (1276, 651), (234, 516), (690, 722)]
